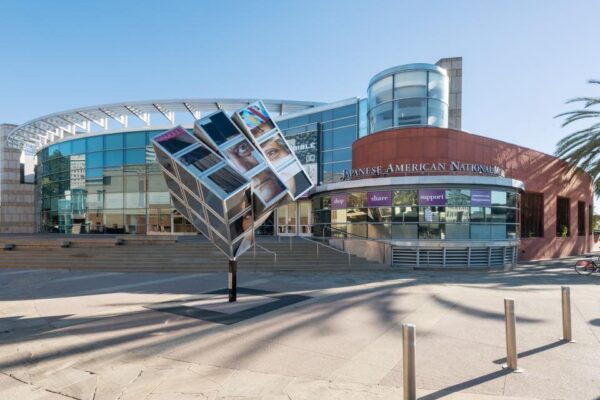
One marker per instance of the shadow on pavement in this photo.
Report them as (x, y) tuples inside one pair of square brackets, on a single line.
[(465, 385), (531, 352)]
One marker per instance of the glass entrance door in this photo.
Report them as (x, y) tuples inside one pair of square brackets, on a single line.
[(295, 219), (304, 218), (286, 220)]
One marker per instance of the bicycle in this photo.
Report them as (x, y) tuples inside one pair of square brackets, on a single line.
[(586, 267)]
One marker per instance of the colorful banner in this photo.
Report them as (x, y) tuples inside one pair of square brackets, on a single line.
[(481, 198), (339, 201), (432, 197), (379, 199)]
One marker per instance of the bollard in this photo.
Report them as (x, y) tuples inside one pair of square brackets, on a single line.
[(566, 314), (511, 336), (408, 361)]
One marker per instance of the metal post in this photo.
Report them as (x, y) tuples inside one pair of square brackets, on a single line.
[(254, 251), (232, 280), (409, 339), (566, 313), (290, 243), (511, 337)]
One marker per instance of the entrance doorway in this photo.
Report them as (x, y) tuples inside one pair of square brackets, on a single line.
[(295, 219)]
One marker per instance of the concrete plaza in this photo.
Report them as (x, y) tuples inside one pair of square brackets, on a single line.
[(332, 335)]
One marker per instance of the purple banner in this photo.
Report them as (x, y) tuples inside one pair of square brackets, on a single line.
[(379, 199), (338, 201), (432, 197), (481, 198)]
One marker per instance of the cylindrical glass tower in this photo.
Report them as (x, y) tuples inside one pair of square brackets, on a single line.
[(408, 95)]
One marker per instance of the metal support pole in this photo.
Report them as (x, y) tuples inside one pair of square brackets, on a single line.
[(511, 336), (566, 313), (232, 280), (290, 243), (409, 343)]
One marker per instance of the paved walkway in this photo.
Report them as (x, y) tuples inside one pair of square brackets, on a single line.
[(100, 335)]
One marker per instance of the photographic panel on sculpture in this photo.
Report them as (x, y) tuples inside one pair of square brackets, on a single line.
[(194, 204), (216, 129), (188, 180), (227, 180), (296, 179), (172, 184), (238, 202), (222, 244), (180, 206), (175, 140), (200, 225), (163, 159), (211, 199), (240, 225), (268, 187), (200, 159), (277, 151), (242, 244), (255, 119), (218, 225), (243, 155)]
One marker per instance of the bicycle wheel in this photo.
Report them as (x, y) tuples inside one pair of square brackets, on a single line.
[(584, 267)]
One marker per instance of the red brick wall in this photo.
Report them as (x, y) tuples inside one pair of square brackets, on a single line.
[(541, 173)]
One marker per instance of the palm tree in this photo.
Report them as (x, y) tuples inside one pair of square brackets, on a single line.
[(581, 149)]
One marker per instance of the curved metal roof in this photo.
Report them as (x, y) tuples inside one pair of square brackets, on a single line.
[(144, 114)]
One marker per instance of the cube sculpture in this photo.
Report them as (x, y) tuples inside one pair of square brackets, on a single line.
[(230, 174)]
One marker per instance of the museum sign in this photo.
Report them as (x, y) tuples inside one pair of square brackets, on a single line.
[(423, 168)]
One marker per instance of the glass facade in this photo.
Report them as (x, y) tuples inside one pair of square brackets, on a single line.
[(336, 130), (412, 95), (105, 184), (419, 214)]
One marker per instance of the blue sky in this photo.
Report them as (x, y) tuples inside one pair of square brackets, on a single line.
[(522, 59)]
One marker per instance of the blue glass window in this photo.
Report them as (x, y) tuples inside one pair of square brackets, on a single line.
[(112, 142), (316, 117), (344, 137), (95, 143), (94, 160), (346, 111), (78, 146), (65, 148), (342, 155), (113, 158), (327, 156), (135, 156), (327, 140), (135, 139)]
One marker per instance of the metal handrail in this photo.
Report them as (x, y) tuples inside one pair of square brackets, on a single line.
[(326, 245), (267, 250)]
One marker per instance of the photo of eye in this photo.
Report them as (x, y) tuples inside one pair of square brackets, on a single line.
[(277, 151), (267, 186), (243, 155)]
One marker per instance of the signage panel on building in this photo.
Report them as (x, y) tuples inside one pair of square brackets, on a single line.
[(481, 198), (379, 199), (432, 197), (338, 201)]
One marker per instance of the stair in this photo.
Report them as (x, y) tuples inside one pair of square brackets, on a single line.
[(186, 254)]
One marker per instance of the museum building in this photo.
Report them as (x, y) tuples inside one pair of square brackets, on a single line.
[(398, 180)]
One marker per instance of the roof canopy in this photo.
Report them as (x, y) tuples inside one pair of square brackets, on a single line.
[(41, 131)]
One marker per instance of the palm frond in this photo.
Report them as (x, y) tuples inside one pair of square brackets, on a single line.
[(581, 149)]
